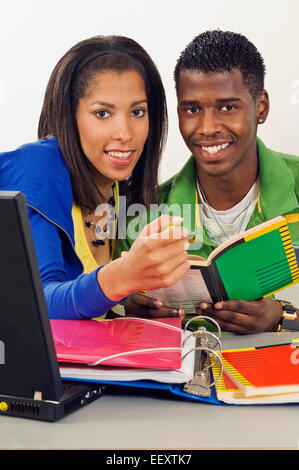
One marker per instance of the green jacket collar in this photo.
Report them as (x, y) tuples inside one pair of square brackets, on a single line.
[(277, 195)]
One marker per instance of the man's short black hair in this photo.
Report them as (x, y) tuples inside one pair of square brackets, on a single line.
[(224, 51)]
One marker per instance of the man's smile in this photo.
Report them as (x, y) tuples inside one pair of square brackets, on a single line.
[(213, 151)]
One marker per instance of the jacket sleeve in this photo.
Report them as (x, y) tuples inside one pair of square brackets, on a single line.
[(77, 298)]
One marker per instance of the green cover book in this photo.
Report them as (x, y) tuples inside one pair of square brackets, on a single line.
[(255, 264)]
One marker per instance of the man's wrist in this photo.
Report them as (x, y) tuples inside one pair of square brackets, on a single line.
[(289, 316)]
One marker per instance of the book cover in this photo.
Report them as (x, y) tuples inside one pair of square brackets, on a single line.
[(263, 262), (228, 392), (255, 264), (122, 342), (263, 370)]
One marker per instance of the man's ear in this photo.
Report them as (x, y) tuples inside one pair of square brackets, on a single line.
[(262, 107)]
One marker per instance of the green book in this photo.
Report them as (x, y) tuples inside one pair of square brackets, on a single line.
[(257, 263)]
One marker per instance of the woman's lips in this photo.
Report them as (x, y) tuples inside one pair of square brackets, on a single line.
[(120, 157)]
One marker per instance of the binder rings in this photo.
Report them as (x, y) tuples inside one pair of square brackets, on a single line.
[(201, 376)]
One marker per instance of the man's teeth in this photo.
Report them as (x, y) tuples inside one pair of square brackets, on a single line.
[(120, 154), (215, 148)]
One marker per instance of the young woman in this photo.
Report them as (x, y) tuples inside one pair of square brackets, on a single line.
[(101, 133)]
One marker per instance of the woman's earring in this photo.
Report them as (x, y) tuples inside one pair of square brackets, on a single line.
[(260, 120)]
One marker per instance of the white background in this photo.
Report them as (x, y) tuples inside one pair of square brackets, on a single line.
[(34, 34)]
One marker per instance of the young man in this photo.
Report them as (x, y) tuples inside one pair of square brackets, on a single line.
[(240, 183)]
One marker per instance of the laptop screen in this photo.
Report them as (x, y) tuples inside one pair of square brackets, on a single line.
[(28, 362)]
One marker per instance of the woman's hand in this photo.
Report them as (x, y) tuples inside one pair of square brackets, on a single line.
[(157, 259), (244, 317), (139, 305)]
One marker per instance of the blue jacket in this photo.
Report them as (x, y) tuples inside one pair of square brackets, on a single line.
[(40, 172)]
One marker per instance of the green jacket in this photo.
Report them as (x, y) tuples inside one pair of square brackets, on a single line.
[(279, 195)]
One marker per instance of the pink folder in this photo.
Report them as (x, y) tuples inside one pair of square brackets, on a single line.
[(123, 342)]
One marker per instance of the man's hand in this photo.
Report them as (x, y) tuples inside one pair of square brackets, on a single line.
[(244, 317), (138, 305)]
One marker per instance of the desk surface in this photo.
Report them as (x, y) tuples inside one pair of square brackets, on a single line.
[(138, 419)]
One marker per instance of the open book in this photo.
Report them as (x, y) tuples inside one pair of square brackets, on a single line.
[(252, 265)]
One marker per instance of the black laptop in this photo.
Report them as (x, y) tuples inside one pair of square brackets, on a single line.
[(30, 383)]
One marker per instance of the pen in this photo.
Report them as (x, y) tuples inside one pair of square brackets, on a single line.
[(190, 237)]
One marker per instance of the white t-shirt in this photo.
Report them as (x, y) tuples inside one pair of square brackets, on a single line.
[(222, 225)]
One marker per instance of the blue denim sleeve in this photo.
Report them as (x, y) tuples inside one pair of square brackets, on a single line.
[(68, 293)]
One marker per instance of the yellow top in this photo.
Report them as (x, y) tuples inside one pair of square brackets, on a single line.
[(81, 245), (82, 248)]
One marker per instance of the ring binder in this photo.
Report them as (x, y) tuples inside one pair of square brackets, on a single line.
[(133, 349), (203, 363), (199, 332)]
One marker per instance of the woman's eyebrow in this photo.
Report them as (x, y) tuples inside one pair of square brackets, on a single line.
[(103, 103), (136, 103), (110, 105)]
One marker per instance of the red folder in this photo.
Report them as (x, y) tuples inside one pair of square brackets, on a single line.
[(121, 342)]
